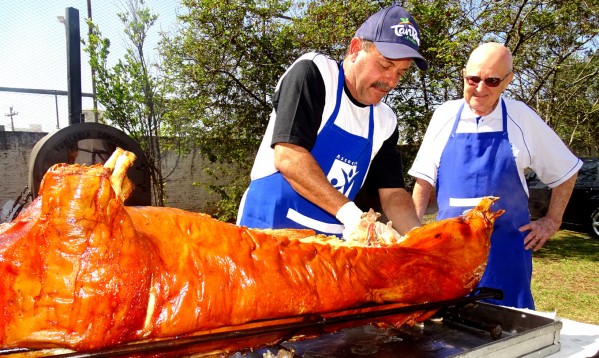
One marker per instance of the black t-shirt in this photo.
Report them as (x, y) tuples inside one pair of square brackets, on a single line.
[(299, 104)]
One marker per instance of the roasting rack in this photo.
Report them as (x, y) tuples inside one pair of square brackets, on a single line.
[(279, 330)]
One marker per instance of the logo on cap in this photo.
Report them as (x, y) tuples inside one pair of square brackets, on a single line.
[(406, 29)]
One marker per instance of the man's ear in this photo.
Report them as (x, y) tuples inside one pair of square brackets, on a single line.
[(507, 81), (354, 47)]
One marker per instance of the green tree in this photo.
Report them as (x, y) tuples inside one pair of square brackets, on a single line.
[(225, 63), (571, 105), (223, 66), (134, 98), (554, 44)]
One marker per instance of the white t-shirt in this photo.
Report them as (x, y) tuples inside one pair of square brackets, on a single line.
[(534, 144)]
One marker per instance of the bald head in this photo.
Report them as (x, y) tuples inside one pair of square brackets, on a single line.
[(493, 54), (491, 65)]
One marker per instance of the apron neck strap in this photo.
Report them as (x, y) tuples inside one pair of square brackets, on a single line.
[(459, 115)]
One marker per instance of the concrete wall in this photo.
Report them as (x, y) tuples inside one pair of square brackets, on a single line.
[(182, 173), (15, 149)]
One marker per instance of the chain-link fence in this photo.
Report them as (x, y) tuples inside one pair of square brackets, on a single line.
[(33, 57)]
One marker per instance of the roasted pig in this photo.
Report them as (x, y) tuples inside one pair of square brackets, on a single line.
[(79, 270)]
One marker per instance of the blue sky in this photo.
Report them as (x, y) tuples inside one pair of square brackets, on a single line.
[(33, 53)]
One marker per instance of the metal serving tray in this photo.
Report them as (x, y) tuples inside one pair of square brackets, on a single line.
[(475, 330), (461, 328)]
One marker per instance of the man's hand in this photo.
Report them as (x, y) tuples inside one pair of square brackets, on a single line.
[(540, 231), (351, 218)]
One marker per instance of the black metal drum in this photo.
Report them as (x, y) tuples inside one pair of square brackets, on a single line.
[(89, 143)]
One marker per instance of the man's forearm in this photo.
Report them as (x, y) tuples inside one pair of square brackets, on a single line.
[(421, 196), (560, 196), (306, 177), (399, 209)]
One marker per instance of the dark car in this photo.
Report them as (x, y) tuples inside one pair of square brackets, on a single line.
[(582, 212)]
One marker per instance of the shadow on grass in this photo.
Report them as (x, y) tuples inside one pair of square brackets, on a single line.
[(566, 244)]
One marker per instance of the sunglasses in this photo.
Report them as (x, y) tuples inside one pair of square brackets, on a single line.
[(489, 81)]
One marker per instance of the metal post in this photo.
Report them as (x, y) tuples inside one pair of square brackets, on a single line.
[(56, 106), (73, 65)]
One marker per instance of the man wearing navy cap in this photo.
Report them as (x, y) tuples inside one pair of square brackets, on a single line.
[(328, 129)]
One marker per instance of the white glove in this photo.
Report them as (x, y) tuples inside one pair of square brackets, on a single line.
[(350, 216)]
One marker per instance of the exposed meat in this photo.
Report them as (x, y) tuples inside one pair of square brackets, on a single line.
[(80, 270), (371, 232)]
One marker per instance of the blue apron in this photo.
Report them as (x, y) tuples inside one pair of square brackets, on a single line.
[(271, 202), (474, 165)]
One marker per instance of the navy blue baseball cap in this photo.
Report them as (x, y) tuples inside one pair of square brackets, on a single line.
[(395, 34)]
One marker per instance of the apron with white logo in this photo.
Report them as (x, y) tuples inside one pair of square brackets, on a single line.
[(474, 165), (271, 202)]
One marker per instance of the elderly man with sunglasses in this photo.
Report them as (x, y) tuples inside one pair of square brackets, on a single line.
[(480, 146)]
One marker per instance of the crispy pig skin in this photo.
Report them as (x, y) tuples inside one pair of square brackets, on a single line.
[(73, 271), (80, 270)]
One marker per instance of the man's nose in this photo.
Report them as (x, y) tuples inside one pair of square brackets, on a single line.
[(481, 85), (392, 80)]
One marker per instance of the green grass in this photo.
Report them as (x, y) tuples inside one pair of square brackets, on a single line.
[(565, 276)]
